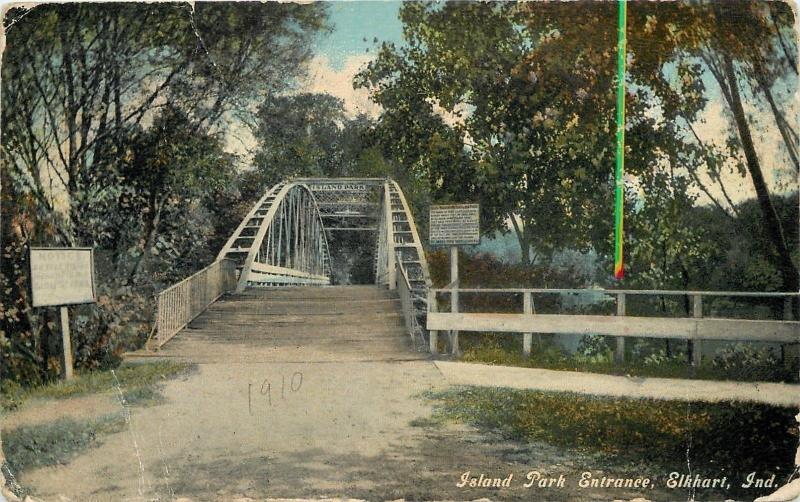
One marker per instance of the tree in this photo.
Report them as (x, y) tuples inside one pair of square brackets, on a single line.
[(309, 134), (74, 96), (531, 112), (111, 119), (744, 48), (519, 97), (299, 135), (172, 168)]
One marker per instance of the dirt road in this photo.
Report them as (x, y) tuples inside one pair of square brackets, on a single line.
[(250, 423), (300, 430)]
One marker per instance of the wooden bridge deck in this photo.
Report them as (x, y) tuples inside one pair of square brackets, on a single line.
[(297, 324)]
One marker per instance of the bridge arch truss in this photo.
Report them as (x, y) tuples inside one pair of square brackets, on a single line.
[(281, 241)]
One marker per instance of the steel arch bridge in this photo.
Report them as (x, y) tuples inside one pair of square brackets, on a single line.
[(283, 240)]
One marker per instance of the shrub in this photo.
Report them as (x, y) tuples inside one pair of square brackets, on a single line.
[(746, 361), (661, 358), (594, 349)]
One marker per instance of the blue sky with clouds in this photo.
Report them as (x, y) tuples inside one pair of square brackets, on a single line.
[(356, 24), (359, 28)]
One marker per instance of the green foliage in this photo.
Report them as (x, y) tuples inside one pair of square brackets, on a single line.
[(482, 102), (310, 135), (661, 358), (512, 105), (142, 396), (302, 135), (721, 439), (482, 270), (594, 349), (112, 118), (746, 362), (55, 443)]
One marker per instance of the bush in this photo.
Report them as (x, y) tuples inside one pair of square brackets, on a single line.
[(744, 361), (594, 349), (661, 358), (11, 395)]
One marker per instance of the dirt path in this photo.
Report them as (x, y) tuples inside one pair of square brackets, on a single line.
[(344, 431)]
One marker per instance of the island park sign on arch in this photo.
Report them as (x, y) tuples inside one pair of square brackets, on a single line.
[(61, 277), (454, 225)]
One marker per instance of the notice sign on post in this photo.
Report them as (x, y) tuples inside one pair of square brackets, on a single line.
[(455, 224), (62, 276)]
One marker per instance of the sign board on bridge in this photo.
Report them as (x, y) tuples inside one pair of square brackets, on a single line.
[(62, 276), (455, 224), (340, 187)]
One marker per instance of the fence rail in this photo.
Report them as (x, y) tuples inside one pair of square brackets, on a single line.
[(180, 303), (695, 328)]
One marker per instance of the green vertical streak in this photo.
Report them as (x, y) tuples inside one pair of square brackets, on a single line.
[(619, 192)]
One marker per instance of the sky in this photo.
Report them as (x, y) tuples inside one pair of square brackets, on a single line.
[(359, 27)]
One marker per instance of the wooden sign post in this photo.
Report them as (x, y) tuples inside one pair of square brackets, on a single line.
[(61, 277), (66, 344), (454, 225)]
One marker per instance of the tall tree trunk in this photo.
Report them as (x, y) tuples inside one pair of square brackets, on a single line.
[(148, 235), (524, 241), (780, 120), (772, 223)]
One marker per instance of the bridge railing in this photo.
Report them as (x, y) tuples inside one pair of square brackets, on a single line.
[(695, 328), (180, 303), (409, 303)]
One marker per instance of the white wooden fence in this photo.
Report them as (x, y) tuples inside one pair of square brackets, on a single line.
[(695, 328), (180, 303)]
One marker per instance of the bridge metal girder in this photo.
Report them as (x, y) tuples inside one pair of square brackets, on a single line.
[(398, 240), (281, 241), (345, 197)]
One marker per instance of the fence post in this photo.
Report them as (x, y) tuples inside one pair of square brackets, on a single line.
[(696, 344), (454, 296), (789, 351), (619, 352), (527, 338), (433, 334), (160, 317)]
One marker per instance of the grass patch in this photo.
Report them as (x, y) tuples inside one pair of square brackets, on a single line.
[(143, 396), (723, 439), (54, 443), (434, 422), (489, 349), (134, 377)]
